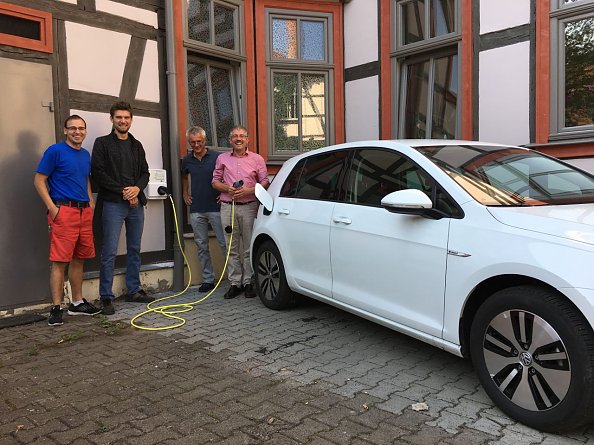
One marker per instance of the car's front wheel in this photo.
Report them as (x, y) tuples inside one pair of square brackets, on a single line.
[(534, 355), (271, 281)]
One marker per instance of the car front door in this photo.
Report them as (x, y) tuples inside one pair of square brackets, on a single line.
[(387, 264)]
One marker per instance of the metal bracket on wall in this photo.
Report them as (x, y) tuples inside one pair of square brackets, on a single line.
[(49, 105)]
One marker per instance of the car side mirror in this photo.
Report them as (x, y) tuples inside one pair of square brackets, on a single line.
[(410, 202)]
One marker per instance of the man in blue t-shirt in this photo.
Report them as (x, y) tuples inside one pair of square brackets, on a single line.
[(62, 182), (202, 200)]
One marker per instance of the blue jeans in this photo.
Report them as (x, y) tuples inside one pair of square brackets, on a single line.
[(199, 222), (116, 214)]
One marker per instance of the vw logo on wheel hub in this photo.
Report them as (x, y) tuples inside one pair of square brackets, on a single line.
[(525, 358)]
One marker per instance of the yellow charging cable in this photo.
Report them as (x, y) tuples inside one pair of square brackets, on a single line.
[(171, 310)]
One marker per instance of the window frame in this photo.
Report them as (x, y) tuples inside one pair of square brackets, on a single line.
[(45, 41), (431, 48), (561, 13), (211, 133), (328, 99), (299, 66), (212, 55), (210, 48)]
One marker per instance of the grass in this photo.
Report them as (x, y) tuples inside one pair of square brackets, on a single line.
[(33, 350), (110, 327), (71, 337)]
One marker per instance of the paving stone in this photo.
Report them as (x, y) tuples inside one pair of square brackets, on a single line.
[(305, 431), (469, 437), (427, 435), (396, 404), (239, 373), (487, 426)]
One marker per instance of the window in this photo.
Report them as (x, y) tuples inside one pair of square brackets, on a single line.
[(425, 46), (25, 28), (300, 70), (212, 100), (213, 23), (316, 177), (572, 69), (376, 173), (215, 57)]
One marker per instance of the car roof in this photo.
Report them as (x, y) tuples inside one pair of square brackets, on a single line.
[(394, 143), (446, 142)]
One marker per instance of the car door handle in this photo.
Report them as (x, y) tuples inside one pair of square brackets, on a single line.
[(283, 211), (342, 220)]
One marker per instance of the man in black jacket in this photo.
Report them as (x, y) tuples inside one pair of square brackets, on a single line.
[(119, 168)]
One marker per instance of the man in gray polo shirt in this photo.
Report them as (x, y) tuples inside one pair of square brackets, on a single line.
[(197, 168)]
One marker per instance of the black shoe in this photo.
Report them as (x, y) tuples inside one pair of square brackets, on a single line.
[(138, 297), (55, 316), (107, 307), (250, 291), (85, 308), (205, 287), (233, 292)]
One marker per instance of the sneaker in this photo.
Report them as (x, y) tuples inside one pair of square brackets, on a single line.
[(233, 292), (205, 287), (55, 316), (250, 291), (85, 308), (138, 297), (107, 307)]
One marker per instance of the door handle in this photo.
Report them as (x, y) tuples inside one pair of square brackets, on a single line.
[(283, 211), (342, 220)]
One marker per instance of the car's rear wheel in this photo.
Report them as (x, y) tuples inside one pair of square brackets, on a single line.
[(271, 281), (534, 355)]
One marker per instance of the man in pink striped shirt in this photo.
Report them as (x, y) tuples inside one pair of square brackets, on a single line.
[(235, 175)]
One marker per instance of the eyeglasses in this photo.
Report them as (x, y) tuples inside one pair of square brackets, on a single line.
[(239, 136), (76, 128)]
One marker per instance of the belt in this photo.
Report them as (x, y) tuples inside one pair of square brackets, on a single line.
[(238, 203), (78, 204)]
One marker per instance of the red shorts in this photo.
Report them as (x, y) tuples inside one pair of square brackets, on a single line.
[(71, 234)]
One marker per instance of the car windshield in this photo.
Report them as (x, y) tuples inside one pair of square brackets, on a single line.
[(506, 176)]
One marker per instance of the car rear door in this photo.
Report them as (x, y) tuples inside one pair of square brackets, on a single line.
[(390, 265), (304, 209)]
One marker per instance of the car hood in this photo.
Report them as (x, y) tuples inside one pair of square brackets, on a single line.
[(574, 222)]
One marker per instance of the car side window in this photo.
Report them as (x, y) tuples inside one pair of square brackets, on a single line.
[(374, 173), (316, 177), (289, 188)]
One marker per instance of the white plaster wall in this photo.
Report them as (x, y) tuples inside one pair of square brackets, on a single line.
[(360, 32), (148, 131), (148, 84), (504, 94), (362, 109), (502, 14), (129, 12), (96, 58)]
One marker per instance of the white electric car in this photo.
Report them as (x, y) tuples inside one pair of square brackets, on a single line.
[(483, 250)]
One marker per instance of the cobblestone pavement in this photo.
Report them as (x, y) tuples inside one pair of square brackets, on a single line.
[(238, 373)]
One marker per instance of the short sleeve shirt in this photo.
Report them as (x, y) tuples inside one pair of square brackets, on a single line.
[(204, 196), (67, 170)]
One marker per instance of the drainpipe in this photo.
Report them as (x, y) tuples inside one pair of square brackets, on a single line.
[(178, 260)]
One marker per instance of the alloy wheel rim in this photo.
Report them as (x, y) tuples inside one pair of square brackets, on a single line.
[(268, 275), (527, 360)]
